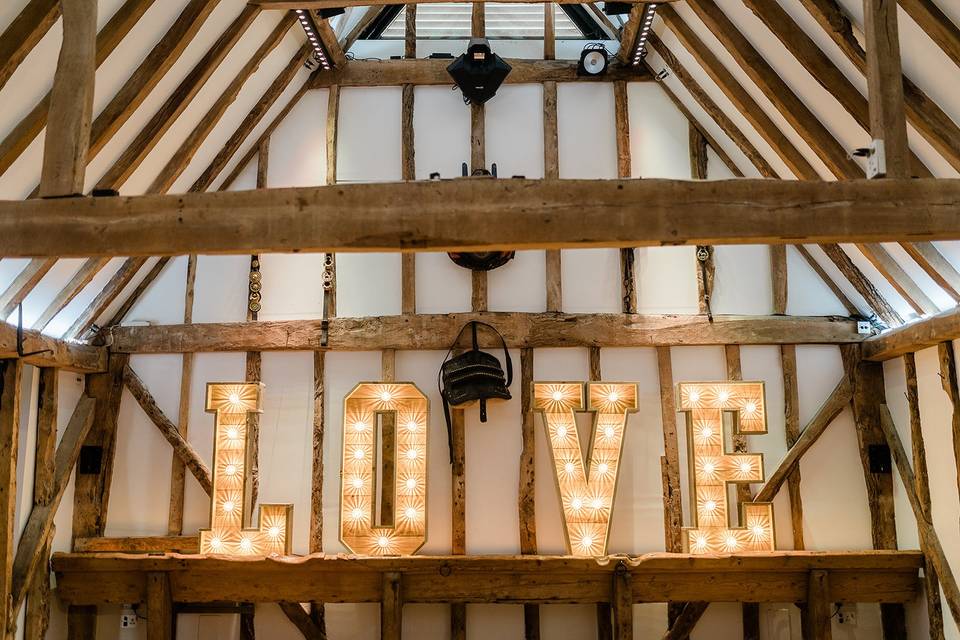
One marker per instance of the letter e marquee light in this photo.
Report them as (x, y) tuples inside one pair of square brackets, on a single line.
[(230, 403), (586, 489), (712, 468), (358, 531)]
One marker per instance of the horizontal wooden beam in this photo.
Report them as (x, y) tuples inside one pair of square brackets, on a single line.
[(868, 576), (335, 4), (425, 71), (521, 330), (913, 337), (143, 544), (59, 354), (484, 215)]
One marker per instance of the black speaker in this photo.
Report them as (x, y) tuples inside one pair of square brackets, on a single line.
[(479, 72)]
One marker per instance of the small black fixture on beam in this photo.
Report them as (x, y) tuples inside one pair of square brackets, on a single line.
[(313, 35)]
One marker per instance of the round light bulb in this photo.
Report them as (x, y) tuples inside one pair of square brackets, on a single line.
[(731, 542), (710, 505), (232, 433), (412, 426), (613, 397), (750, 408), (557, 396), (709, 468), (228, 506), (758, 530), (597, 503), (411, 513), (274, 532), (411, 483), (358, 483), (609, 432), (357, 514), (603, 467), (586, 542), (358, 454), (386, 396), (234, 398), (745, 467), (576, 504), (701, 542), (230, 469), (216, 543), (707, 432), (561, 432), (383, 542), (412, 454), (359, 426), (569, 468), (723, 396), (694, 396), (246, 544)]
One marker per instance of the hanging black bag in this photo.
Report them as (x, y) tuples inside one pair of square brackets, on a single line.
[(473, 376)]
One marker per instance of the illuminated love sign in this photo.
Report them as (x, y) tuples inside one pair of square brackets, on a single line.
[(363, 409), (230, 404), (586, 489), (712, 467)]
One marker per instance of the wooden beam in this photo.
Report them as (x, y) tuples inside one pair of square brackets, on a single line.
[(827, 280), (948, 380), (930, 121), (181, 98), (25, 282), (549, 31), (408, 261), (71, 102), (871, 576), (928, 535), (23, 34), (935, 24), (521, 330), (296, 614), (670, 468), (526, 494), (778, 278), (836, 402), (137, 293), (178, 469), (551, 171), (862, 284), (87, 271), (423, 71), (159, 607), (479, 298), (39, 527), (391, 607), (487, 215), (30, 126), (622, 604), (189, 545), (628, 255), (893, 273), (332, 4), (913, 337), (98, 306), (410, 33), (11, 372), (181, 448), (816, 616), (181, 159), (936, 266), (930, 579), (683, 626), (888, 121), (52, 352), (330, 44), (791, 400), (317, 612), (628, 35)]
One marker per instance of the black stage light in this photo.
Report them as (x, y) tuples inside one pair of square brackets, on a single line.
[(617, 8), (479, 72), (593, 60)]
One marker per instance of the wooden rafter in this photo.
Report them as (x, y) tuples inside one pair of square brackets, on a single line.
[(52, 352), (114, 287), (23, 34), (914, 337), (333, 4), (25, 282), (87, 271), (935, 24)]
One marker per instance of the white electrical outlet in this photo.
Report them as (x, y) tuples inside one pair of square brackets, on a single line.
[(863, 328), (847, 615), (128, 617), (877, 160)]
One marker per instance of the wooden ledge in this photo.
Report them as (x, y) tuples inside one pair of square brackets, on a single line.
[(862, 576)]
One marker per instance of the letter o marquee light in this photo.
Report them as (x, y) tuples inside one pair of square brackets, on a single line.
[(712, 468), (358, 473), (586, 492)]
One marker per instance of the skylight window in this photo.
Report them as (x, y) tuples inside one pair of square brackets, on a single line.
[(503, 22)]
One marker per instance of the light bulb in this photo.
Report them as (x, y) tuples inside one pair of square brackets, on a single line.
[(216, 543), (357, 514), (750, 408), (758, 530), (603, 467), (694, 396), (702, 542), (228, 506), (723, 396), (386, 396), (576, 504), (412, 426), (586, 542), (274, 532), (561, 432), (731, 542), (232, 433), (411, 513), (246, 544), (613, 397), (383, 542), (230, 469), (569, 468), (709, 467), (557, 396), (358, 483), (710, 505), (609, 432), (597, 503), (706, 432), (359, 426), (412, 454), (358, 454), (411, 483), (745, 467), (234, 398)]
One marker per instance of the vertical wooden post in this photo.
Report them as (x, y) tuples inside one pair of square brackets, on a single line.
[(159, 607), (791, 392), (408, 261), (478, 154), (527, 494), (37, 618), (817, 613), (549, 31), (11, 372), (670, 468), (704, 256), (71, 102), (885, 84), (458, 611), (391, 607), (628, 282), (410, 36), (778, 276), (178, 470), (551, 171), (948, 380), (930, 577), (316, 485), (622, 604), (91, 496), (866, 380)]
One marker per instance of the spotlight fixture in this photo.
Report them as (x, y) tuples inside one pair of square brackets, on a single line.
[(593, 60), (313, 35), (479, 72), (646, 24)]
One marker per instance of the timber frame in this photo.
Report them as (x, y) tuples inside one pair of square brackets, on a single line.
[(910, 208)]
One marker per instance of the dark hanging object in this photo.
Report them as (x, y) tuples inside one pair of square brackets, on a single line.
[(255, 286), (479, 72), (473, 376), (484, 260)]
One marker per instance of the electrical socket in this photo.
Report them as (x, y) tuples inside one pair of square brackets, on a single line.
[(128, 617), (877, 160), (863, 328), (847, 614)]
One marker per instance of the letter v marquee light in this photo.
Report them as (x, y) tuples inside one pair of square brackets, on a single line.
[(230, 403), (586, 490), (712, 468)]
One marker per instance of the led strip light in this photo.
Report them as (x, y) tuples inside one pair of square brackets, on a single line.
[(306, 21), (646, 24)]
